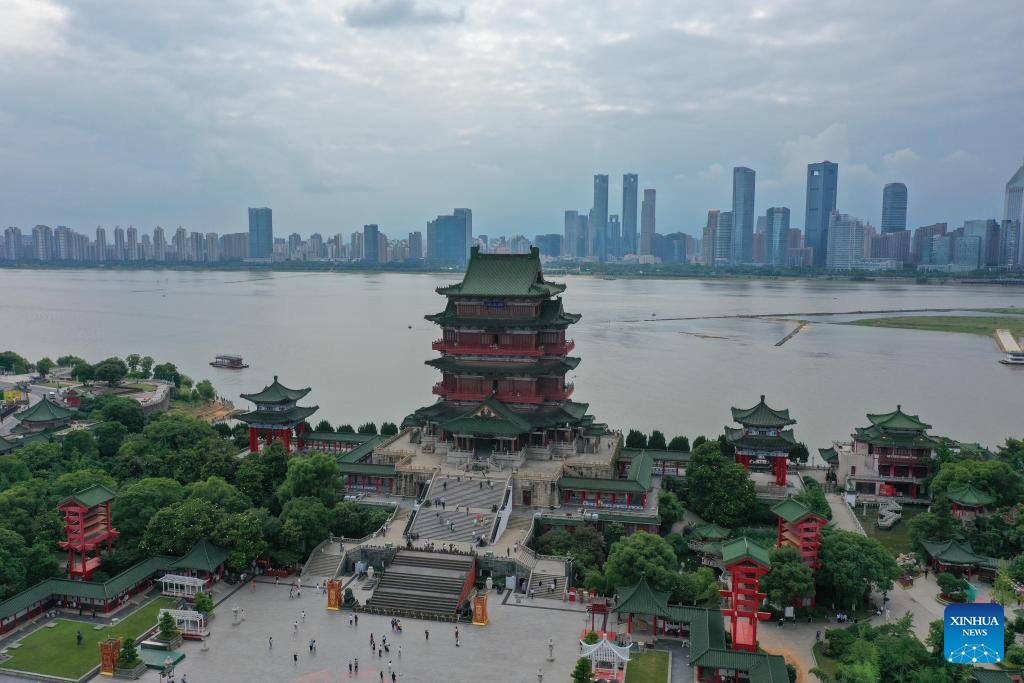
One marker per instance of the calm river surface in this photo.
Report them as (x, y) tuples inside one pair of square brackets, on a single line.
[(359, 340)]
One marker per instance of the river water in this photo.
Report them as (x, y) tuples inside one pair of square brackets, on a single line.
[(359, 340)]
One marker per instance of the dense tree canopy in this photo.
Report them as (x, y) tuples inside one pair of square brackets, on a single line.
[(853, 565), (641, 554), (718, 489), (111, 371), (790, 579)]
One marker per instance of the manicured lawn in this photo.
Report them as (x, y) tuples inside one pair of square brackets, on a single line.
[(649, 667), (140, 386), (969, 324), (52, 651)]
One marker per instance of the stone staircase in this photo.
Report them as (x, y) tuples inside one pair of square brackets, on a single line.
[(421, 584), (323, 564), (477, 495), (540, 584)]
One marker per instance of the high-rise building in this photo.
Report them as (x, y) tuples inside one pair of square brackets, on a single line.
[(212, 247), (261, 233), (892, 245), (615, 236), (196, 247), (894, 207), (847, 237), (132, 243), (920, 243), (466, 217), (371, 243), (12, 244), (822, 187), (708, 238), (987, 231), (119, 244), (101, 244), (723, 238), (1013, 211), (647, 222), (550, 245), (776, 235), (741, 250), (569, 233), (582, 235), (1010, 235), (146, 248), (598, 224), (159, 244), (42, 243), (416, 245), (181, 245), (630, 183), (446, 238)]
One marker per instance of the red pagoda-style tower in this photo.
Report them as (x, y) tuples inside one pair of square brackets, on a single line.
[(87, 523), (799, 527), (504, 357), (746, 562), (277, 415), (762, 437)]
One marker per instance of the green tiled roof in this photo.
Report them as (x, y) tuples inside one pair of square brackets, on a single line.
[(108, 590), (829, 455), (276, 393), (993, 676), (367, 469), (744, 548), (640, 469), (793, 510), (488, 417), (898, 420), (762, 416), (552, 315), (617, 485), (91, 496), (641, 598), (957, 553), (966, 494), (759, 666), (880, 436), (707, 632), (7, 445), (204, 556), (738, 438), (538, 417), (657, 455), (503, 275), (337, 437), (293, 415), (542, 366), (44, 411), (710, 532), (364, 450)]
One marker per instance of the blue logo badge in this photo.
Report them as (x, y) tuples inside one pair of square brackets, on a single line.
[(973, 633)]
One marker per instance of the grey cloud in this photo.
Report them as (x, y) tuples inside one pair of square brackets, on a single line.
[(398, 13)]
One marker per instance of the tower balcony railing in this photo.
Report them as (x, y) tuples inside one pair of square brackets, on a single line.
[(562, 395), (446, 346)]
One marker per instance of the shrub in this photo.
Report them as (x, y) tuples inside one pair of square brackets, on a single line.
[(168, 627), (203, 603)]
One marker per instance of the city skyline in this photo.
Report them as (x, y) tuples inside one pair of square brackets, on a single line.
[(190, 111)]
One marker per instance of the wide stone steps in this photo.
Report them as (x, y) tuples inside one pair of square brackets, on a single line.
[(393, 580), (540, 584), (436, 561), (325, 565), (419, 583), (472, 492), (430, 525)]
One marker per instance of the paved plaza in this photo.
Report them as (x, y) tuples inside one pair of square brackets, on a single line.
[(511, 648)]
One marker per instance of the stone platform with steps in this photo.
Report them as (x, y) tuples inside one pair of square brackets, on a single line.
[(422, 584)]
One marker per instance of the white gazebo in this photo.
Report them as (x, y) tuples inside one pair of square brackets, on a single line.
[(191, 623), (179, 586), (607, 660)]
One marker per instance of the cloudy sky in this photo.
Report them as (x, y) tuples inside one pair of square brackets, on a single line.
[(345, 112)]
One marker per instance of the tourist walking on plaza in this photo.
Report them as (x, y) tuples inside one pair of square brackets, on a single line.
[(295, 658), (270, 642), (426, 634)]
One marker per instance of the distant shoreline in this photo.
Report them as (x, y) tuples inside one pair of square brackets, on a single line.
[(598, 271)]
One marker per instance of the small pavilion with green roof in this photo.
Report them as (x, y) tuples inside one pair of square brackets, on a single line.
[(746, 561), (958, 557), (44, 416), (762, 437), (967, 502), (204, 560), (277, 415)]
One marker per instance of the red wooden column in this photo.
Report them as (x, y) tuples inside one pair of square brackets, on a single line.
[(286, 437), (780, 474), (254, 440)]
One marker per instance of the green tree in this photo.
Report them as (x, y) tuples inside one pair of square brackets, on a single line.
[(1003, 591), (40, 564), (720, 489), (167, 372), (145, 367), (612, 533), (129, 657), (679, 443), (42, 459), (698, 441), (814, 498), (699, 587), (177, 432), (937, 525), (992, 476), (83, 372), (853, 565), (636, 439), (219, 492), (951, 585), (581, 672), (124, 410), (323, 426), (388, 428), (13, 363), (79, 449), (306, 521), (799, 454), (12, 567), (242, 535), (70, 482), (313, 475), (139, 501), (585, 545), (168, 627), (790, 580), (936, 638), (641, 554), (112, 370), (203, 603), (206, 390), (132, 361), (109, 437), (670, 510), (657, 441), (367, 428), (44, 365), (346, 429), (12, 470), (69, 361), (176, 528)]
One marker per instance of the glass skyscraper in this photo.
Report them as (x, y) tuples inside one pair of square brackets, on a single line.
[(822, 187), (630, 183), (776, 236), (261, 233), (741, 249), (894, 207), (599, 219)]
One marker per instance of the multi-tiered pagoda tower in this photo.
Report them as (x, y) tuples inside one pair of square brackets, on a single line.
[(762, 437), (277, 416), (504, 358)]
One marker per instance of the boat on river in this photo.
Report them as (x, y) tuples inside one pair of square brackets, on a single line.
[(229, 360)]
